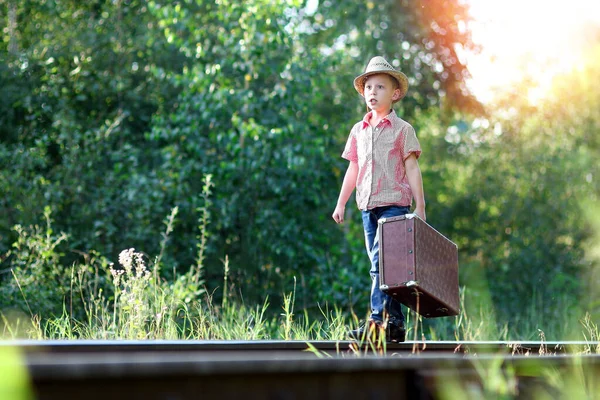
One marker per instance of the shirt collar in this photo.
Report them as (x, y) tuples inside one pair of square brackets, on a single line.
[(385, 122)]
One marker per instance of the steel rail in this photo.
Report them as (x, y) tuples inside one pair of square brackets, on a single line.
[(295, 346)]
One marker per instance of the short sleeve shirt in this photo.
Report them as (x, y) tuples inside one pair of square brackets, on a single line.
[(380, 153)]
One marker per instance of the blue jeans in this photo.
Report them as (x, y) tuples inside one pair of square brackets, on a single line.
[(380, 302)]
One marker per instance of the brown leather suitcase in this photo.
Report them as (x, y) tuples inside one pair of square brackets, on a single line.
[(418, 266)]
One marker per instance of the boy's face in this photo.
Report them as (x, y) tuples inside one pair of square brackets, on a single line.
[(380, 92)]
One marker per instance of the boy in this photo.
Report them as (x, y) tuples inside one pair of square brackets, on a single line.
[(382, 150)]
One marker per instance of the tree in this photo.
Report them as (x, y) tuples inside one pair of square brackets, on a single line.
[(424, 39), (115, 110)]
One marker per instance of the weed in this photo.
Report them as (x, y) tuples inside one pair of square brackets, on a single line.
[(288, 313), (39, 282), (591, 334)]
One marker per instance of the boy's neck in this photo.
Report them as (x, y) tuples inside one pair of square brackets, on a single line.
[(377, 116)]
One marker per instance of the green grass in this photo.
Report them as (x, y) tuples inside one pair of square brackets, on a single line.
[(142, 305), (132, 300)]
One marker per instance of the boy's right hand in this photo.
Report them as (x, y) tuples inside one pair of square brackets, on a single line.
[(338, 214)]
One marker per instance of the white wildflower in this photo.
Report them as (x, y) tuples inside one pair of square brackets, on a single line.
[(126, 259)]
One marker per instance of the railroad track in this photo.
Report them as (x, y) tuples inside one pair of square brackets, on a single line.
[(284, 370), (332, 348)]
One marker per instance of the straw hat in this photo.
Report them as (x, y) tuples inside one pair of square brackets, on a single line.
[(378, 65)]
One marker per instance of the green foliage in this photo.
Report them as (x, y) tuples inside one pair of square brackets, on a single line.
[(421, 38), (86, 80), (15, 379), (243, 116), (519, 218), (38, 283), (115, 110)]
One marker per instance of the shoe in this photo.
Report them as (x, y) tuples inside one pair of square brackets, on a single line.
[(395, 332), (369, 330)]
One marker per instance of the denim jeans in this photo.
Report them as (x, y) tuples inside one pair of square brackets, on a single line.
[(380, 301)]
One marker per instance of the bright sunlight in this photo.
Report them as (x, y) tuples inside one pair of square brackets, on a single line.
[(527, 41)]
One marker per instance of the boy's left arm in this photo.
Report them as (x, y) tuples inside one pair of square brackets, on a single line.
[(415, 180)]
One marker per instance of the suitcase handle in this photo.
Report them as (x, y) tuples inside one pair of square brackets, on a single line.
[(398, 218)]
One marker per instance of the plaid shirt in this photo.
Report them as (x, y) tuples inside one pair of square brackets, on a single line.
[(380, 153)]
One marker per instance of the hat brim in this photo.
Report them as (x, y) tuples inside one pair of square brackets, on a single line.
[(359, 83)]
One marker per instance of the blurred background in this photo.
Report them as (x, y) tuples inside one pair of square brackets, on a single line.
[(114, 112)]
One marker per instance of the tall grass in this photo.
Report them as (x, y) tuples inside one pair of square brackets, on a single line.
[(140, 304), (132, 300)]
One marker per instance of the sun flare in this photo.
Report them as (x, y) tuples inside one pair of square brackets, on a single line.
[(527, 39)]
